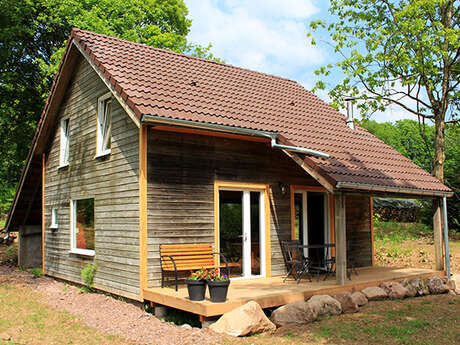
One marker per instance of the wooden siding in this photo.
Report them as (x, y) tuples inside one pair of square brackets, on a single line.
[(112, 181), (181, 172), (358, 219)]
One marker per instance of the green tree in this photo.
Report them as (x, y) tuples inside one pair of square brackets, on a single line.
[(32, 41), (405, 137), (403, 52)]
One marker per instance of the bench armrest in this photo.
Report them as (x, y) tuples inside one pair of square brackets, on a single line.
[(171, 258)]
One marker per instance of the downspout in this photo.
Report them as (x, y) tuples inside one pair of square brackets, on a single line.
[(446, 235)]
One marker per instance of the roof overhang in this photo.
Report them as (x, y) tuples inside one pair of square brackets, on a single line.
[(383, 190)]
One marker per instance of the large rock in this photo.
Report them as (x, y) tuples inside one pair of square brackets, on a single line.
[(394, 290), (411, 290), (245, 320), (374, 293), (451, 285), (420, 286), (359, 298), (346, 302), (299, 313), (436, 285), (327, 305)]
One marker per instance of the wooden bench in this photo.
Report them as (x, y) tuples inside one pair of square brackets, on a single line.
[(187, 257)]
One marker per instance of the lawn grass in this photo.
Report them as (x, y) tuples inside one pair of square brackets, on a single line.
[(24, 319), (397, 232), (422, 320)]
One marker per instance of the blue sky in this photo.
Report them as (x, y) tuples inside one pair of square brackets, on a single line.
[(268, 36)]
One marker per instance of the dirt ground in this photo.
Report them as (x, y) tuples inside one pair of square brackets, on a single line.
[(107, 314), (100, 319), (416, 253)]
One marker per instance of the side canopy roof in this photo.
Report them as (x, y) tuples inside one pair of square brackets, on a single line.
[(165, 84), (152, 82)]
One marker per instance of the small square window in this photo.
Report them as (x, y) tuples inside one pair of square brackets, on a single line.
[(64, 143), (104, 125), (82, 226), (54, 219)]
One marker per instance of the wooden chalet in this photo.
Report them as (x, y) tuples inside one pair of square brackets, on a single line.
[(139, 147)]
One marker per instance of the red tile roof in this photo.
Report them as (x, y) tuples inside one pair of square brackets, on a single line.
[(171, 85)]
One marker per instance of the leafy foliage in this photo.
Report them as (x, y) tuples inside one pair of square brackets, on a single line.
[(36, 272), (200, 274), (87, 274), (394, 51), (403, 52), (405, 137), (32, 41)]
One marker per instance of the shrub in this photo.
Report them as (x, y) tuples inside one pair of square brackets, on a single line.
[(87, 274), (37, 272)]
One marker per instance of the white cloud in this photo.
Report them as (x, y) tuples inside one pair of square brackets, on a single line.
[(263, 35)]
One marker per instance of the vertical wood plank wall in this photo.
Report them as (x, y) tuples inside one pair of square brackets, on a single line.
[(113, 182), (358, 220), (182, 169)]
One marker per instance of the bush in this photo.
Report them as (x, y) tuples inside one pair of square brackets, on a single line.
[(6, 198), (87, 274), (37, 272)]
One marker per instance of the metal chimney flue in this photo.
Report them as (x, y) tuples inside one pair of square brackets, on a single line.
[(350, 119)]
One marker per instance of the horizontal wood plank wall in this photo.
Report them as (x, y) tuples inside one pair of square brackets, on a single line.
[(182, 168), (359, 230), (113, 182)]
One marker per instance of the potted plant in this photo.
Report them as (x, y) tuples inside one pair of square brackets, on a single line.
[(196, 284), (218, 286)]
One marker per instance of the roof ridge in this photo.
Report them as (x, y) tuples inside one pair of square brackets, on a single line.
[(75, 30)]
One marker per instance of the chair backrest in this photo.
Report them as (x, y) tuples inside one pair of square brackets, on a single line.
[(290, 250), (187, 256)]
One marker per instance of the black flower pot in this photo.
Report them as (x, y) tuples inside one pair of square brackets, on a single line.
[(196, 289), (218, 290)]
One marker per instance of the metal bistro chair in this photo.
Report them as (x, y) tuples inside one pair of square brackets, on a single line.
[(297, 265)]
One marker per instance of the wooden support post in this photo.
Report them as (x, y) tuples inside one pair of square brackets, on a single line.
[(340, 239), (43, 212), (142, 211), (437, 227)]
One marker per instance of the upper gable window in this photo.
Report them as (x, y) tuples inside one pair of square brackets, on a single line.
[(64, 143), (104, 125)]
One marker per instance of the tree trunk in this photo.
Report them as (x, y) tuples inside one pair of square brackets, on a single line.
[(439, 148)]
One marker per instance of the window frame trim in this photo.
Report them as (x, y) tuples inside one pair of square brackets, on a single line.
[(54, 223), (62, 163), (99, 140), (73, 234)]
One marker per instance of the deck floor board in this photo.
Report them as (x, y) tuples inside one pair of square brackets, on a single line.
[(272, 292)]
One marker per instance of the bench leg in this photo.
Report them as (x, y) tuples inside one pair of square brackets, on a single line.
[(175, 273)]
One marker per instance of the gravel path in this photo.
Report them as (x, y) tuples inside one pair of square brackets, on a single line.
[(108, 314)]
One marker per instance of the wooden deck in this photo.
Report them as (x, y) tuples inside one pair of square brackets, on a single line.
[(272, 292)]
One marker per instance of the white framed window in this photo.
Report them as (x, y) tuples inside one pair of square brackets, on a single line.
[(82, 229), (64, 153), (54, 218), (104, 125)]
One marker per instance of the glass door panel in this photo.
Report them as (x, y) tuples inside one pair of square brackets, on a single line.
[(231, 230), (316, 224), (255, 234)]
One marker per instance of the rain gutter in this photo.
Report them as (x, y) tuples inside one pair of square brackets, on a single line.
[(235, 130), (378, 188)]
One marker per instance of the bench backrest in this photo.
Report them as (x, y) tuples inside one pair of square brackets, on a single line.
[(187, 256)]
